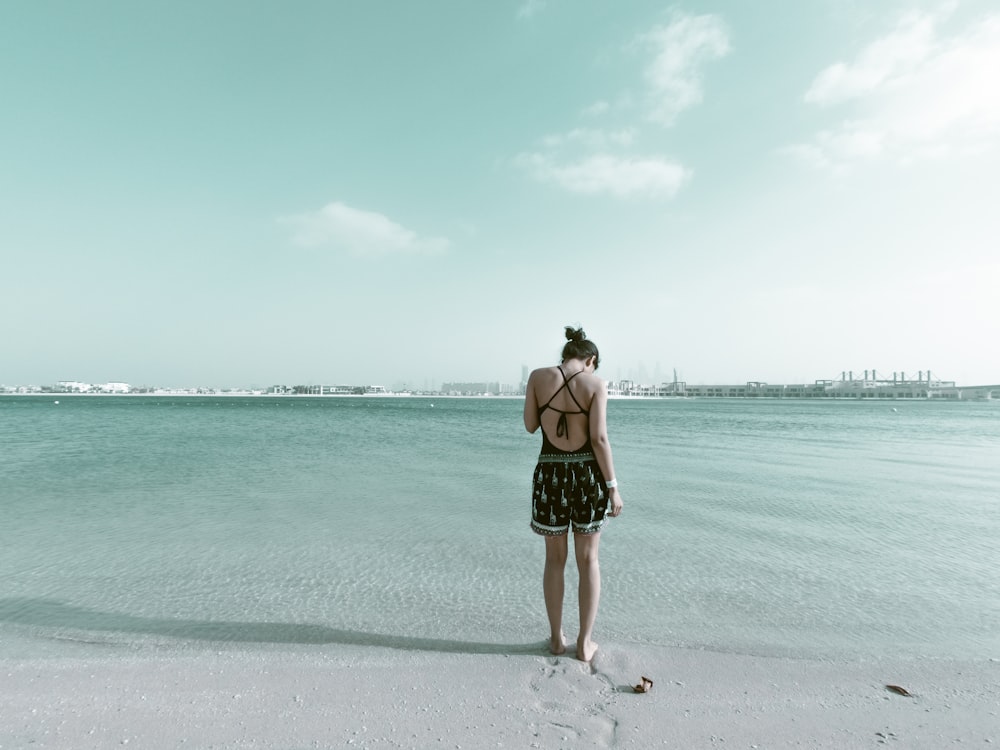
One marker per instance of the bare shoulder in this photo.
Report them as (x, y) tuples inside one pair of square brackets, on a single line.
[(542, 374), (593, 385)]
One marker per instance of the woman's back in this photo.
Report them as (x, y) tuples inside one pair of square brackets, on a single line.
[(564, 401)]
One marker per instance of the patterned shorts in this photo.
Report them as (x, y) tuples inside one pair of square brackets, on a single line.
[(568, 490)]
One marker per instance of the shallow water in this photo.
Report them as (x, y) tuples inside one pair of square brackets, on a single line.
[(767, 527)]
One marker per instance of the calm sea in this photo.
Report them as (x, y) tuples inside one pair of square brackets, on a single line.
[(798, 528)]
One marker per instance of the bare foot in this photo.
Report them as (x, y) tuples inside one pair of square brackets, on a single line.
[(557, 647), (585, 650)]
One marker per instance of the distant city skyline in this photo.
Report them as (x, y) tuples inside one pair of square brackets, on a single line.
[(416, 193), (500, 386)]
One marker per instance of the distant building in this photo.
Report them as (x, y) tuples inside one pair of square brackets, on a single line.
[(869, 386), (343, 390), (471, 389), (848, 386), (328, 390), (74, 386)]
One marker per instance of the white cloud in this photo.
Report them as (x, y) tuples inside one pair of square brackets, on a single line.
[(596, 160), (596, 109), (605, 173), (591, 138), (530, 9), (832, 149), (364, 233), (912, 95), (682, 48), (883, 61)]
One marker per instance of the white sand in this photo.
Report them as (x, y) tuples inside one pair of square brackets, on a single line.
[(365, 696)]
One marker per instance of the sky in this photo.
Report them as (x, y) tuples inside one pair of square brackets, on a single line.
[(236, 193)]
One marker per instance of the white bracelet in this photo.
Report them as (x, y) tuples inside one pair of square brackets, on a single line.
[(611, 483)]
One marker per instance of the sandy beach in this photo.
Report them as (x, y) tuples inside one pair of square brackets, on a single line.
[(455, 695)]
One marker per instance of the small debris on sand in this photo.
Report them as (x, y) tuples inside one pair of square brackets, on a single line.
[(645, 686)]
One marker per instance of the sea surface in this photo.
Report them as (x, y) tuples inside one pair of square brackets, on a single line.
[(818, 529)]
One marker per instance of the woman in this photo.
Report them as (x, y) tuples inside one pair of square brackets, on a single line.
[(574, 481)]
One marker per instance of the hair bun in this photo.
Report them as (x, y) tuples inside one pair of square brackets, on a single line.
[(575, 334)]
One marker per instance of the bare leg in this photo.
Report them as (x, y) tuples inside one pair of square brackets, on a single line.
[(590, 591), (553, 583)]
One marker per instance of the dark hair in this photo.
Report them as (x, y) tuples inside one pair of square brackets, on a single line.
[(578, 346)]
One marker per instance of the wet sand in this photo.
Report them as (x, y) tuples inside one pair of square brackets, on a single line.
[(379, 697)]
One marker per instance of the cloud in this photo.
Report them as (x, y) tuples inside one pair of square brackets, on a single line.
[(596, 109), (530, 9), (364, 233), (605, 173), (597, 160), (885, 60), (912, 95), (682, 49), (591, 138)]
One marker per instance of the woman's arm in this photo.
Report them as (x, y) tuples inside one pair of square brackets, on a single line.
[(601, 443), (530, 405)]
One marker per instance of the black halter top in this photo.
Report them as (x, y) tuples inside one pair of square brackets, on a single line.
[(561, 426)]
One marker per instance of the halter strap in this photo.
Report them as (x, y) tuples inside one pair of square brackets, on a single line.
[(562, 427)]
